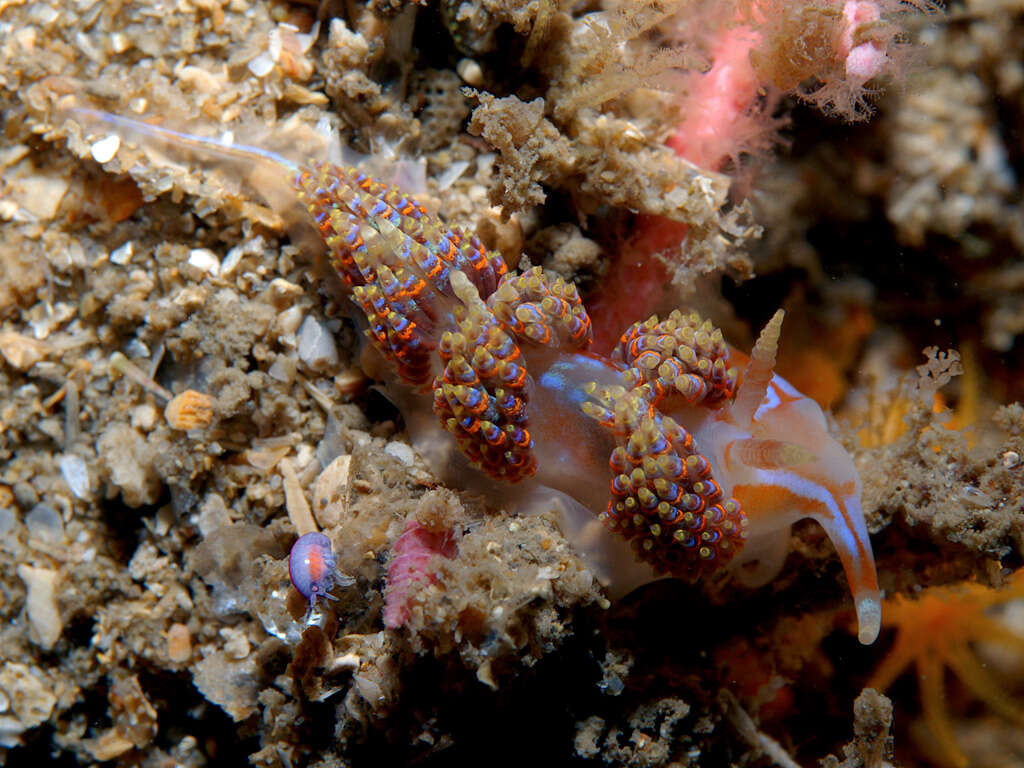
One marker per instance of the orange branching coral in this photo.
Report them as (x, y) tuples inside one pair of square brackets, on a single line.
[(935, 633)]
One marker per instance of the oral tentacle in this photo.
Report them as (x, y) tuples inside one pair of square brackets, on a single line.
[(759, 372)]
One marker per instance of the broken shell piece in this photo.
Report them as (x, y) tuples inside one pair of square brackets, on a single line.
[(266, 458), (204, 259), (295, 500), (189, 410), (31, 697), (41, 604), (329, 492), (76, 474), (261, 65), (22, 352), (107, 746), (105, 149), (134, 717), (123, 255), (316, 345)]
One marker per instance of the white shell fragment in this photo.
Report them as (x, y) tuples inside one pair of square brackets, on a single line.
[(105, 149), (204, 259), (44, 523), (41, 604), (76, 474), (295, 500), (329, 492), (261, 65), (123, 254), (401, 451), (316, 345), (451, 174)]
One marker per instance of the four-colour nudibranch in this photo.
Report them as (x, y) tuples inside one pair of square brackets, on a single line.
[(666, 459)]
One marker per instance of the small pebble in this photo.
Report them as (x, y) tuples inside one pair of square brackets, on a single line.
[(144, 417), (470, 72), (41, 604), (233, 258), (288, 323), (20, 351), (7, 520), (76, 474), (236, 644), (179, 643), (31, 691), (1011, 459), (213, 514), (124, 254), (261, 65), (316, 345), (283, 293), (204, 259), (43, 522), (105, 149), (137, 349), (401, 451)]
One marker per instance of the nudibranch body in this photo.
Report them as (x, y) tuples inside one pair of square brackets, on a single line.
[(313, 567), (667, 459)]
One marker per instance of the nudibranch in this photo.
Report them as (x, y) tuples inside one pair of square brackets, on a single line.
[(666, 458), (313, 567)]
